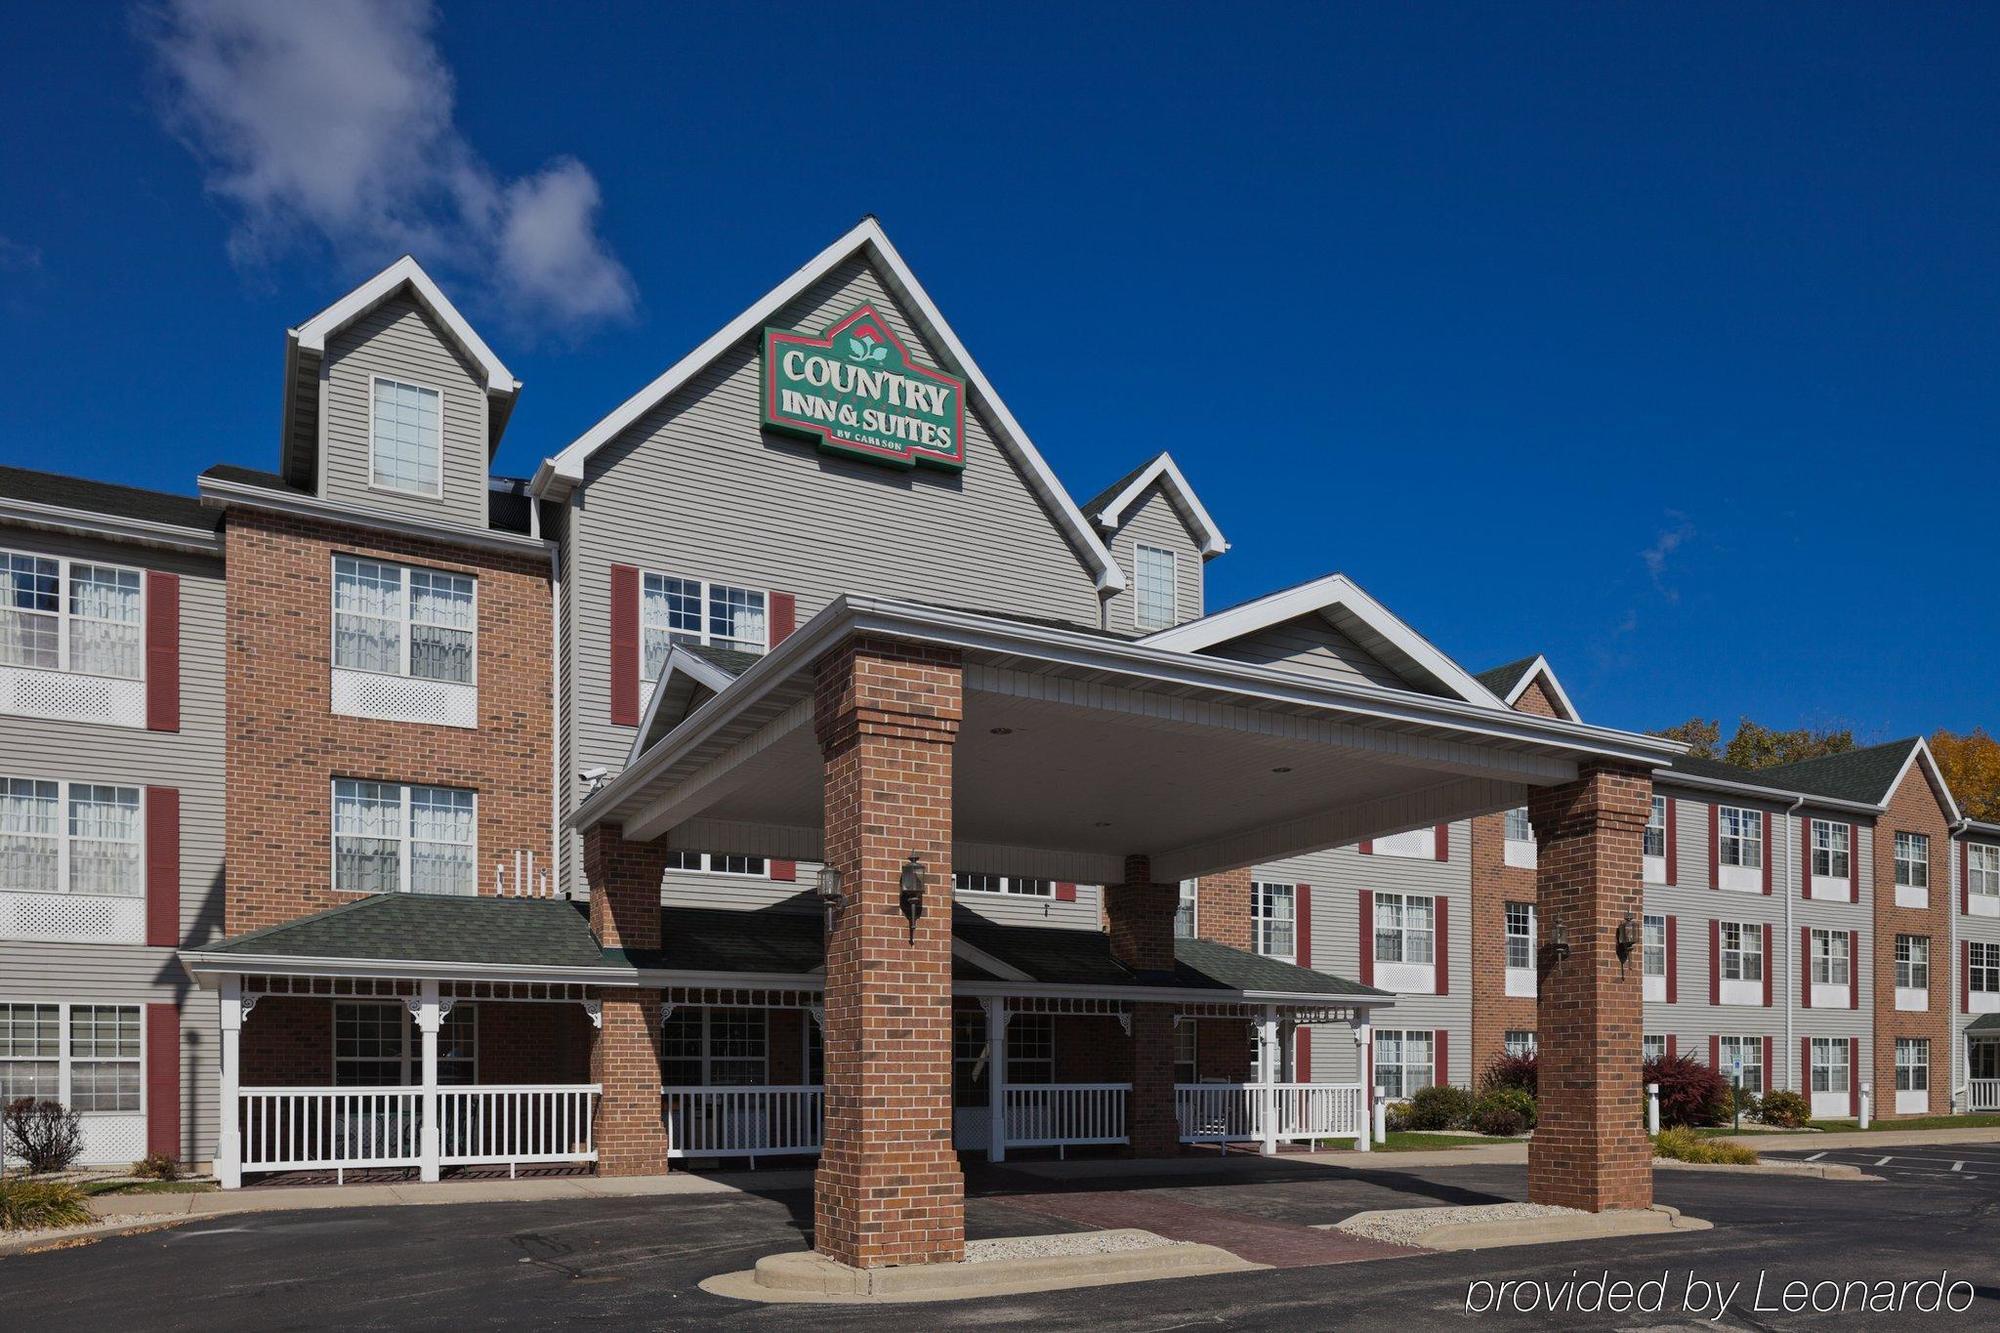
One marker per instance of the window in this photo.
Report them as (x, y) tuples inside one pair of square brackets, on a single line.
[(406, 438), (396, 839), (689, 611), (1519, 829), (1653, 956), (1831, 856), (1008, 884), (395, 620), (1982, 871), (1031, 1048), (377, 1045), (1272, 921), (1982, 967), (1913, 962), (1831, 965), (96, 1070), (1404, 1061), (70, 837), (1913, 861), (1519, 1041), (68, 615), (1830, 1070), (1742, 951), (1913, 1064), (1185, 921), (1740, 837), (1520, 935), (1403, 929), (716, 863), (714, 1048), (1418, 844), (1652, 1048), (1656, 828), (1154, 587), (1748, 1052), (1187, 1051), (1518, 848)]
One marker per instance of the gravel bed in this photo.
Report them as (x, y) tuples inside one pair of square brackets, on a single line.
[(1405, 1225), (1045, 1247), (95, 1224)]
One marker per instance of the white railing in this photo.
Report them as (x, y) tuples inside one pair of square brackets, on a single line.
[(1983, 1095), (743, 1122), (1057, 1114), (1234, 1112), (517, 1122), (297, 1129)]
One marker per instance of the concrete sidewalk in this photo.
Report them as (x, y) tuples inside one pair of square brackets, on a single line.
[(216, 1203)]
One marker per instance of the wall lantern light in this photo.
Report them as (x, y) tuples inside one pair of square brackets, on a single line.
[(828, 888), (911, 897), (1559, 943), (1628, 940)]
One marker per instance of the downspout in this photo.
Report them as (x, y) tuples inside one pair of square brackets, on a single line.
[(1799, 876), (1960, 1064), (556, 868)]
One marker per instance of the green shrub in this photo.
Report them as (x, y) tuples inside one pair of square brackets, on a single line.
[(1515, 1100), (1746, 1102), (1784, 1109), (27, 1204), (1691, 1093), (156, 1166), (1684, 1145), (48, 1136), (1512, 1071), (1396, 1117), (1440, 1107)]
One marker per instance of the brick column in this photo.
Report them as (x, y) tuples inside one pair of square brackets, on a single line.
[(625, 1054), (1590, 1149), (1139, 915), (888, 1189)]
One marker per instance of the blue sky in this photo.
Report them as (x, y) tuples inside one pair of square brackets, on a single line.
[(1659, 338)]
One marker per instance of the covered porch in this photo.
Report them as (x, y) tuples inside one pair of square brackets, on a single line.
[(1982, 1063)]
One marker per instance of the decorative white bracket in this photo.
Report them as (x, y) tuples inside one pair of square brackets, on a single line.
[(667, 1008), (818, 1012), (1125, 1020), (594, 1011), (249, 1002)]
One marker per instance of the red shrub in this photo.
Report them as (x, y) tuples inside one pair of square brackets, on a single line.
[(1691, 1093)]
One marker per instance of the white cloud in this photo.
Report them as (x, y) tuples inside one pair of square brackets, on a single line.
[(1655, 556), (16, 257), (333, 120)]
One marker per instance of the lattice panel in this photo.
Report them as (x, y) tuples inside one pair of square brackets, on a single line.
[(740, 997), (113, 1140), (73, 698), (62, 916), (401, 699)]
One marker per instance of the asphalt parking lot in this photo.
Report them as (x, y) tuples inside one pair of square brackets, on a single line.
[(634, 1263), (1973, 1166)]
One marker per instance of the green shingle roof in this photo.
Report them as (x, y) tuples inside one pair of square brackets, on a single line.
[(529, 932), (1862, 776), (1502, 679), (1215, 966), (1985, 1023)]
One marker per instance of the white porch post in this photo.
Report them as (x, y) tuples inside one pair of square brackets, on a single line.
[(996, 1078), (1267, 1096), (229, 1137), (429, 1017), (1365, 1140)]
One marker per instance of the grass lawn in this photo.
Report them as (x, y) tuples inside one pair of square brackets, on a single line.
[(1410, 1140), (1913, 1122), (149, 1187), (1723, 1131)]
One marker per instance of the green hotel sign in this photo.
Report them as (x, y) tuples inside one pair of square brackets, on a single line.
[(856, 391)]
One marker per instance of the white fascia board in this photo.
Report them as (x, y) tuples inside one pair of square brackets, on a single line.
[(1168, 473), (1543, 669), (1165, 995), (1320, 595), (1921, 750), (206, 966), (557, 475), (311, 336), (88, 523), (981, 958), (679, 661), (306, 506)]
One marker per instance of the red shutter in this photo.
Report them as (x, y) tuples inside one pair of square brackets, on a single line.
[(1714, 845), (1805, 967), (1965, 976), (1366, 963), (1715, 1053), (1673, 960), (1302, 926), (1770, 960), (163, 867), (1806, 855), (1853, 969), (1673, 1046), (1805, 1069), (1714, 961), (1853, 864), (1441, 948), (1065, 891), (1443, 842), (1854, 1076), (1302, 1056), (1770, 1070), (1368, 846), (1673, 841), (785, 872), (163, 1080), (784, 617), (1964, 880), (1441, 1053), (624, 646), (163, 651), (1770, 849)]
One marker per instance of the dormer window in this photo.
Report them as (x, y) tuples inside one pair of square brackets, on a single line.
[(406, 438), (1154, 587)]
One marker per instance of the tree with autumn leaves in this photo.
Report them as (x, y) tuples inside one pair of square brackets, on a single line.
[(1971, 768)]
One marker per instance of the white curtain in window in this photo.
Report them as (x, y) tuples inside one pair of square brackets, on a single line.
[(30, 836), (106, 618), (104, 850), (736, 619), (30, 600), (367, 832), (367, 616), (441, 839), (441, 626)]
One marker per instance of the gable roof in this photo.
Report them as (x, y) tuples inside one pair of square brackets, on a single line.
[(691, 675), (556, 476), (1864, 777), (1353, 611), (514, 932), (74, 504), (1107, 508), (1511, 681)]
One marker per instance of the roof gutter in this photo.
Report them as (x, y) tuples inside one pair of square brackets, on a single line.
[(206, 965), (327, 511), (91, 523)]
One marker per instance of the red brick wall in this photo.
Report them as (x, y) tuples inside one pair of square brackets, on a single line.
[(1091, 1048), (1222, 907), (1536, 699), (1914, 807), (1494, 885), (286, 746), (288, 1043)]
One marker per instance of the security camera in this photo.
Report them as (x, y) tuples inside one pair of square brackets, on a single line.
[(595, 775)]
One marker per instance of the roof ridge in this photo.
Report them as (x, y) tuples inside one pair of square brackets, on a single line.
[(1903, 745)]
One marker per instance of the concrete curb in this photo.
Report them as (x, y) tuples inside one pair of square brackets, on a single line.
[(1656, 1220), (803, 1277), (220, 1203), (34, 1241), (1812, 1170)]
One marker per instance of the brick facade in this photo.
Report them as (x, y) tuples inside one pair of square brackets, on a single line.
[(288, 1043), (286, 745), (1139, 916), (625, 1057), (888, 1189), (1590, 1149), (1914, 807), (1222, 907), (1494, 885)]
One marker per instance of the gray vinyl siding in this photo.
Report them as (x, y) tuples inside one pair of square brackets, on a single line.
[(698, 489), (1337, 877), (1154, 521), (1312, 647), (190, 760), (399, 340), (1985, 930)]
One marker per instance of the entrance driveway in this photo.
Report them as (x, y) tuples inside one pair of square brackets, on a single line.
[(635, 1262), (1951, 1166)]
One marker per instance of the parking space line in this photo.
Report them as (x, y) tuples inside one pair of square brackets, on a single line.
[(1885, 1161), (1815, 1157)]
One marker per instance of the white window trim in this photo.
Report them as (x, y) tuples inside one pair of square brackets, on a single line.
[(1139, 552), (1909, 893), (1982, 1001), (706, 637), (1912, 998), (1653, 985), (1912, 1101), (407, 620), (1982, 901), (1654, 868), (1260, 919), (1830, 994), (1520, 981), (1741, 990), (1736, 876), (1189, 892), (1835, 888), (65, 1059), (1521, 853), (1403, 976), (1834, 1102), (374, 384), (1404, 1092), (63, 839), (412, 1052), (1753, 1045), (64, 564), (404, 837), (1007, 887), (707, 866)]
